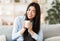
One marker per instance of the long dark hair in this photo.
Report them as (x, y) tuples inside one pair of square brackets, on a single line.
[(36, 22)]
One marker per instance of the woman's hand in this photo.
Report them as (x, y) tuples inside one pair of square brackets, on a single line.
[(23, 28), (22, 31), (28, 25)]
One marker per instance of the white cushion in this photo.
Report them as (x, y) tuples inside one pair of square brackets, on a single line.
[(2, 38), (57, 38)]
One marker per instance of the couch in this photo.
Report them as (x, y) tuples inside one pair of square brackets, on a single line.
[(5, 33), (50, 32)]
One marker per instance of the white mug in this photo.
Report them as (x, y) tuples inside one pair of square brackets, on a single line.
[(27, 22)]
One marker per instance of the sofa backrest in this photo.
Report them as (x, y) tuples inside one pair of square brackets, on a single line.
[(48, 31), (7, 31), (51, 30)]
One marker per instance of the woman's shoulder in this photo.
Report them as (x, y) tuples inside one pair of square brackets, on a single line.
[(20, 17)]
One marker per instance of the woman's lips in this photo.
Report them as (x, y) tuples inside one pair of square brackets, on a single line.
[(30, 15)]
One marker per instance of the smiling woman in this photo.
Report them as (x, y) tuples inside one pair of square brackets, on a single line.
[(30, 31), (31, 13)]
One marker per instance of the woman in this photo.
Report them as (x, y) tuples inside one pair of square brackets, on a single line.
[(32, 30)]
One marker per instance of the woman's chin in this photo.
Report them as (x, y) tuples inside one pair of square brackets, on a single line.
[(29, 18)]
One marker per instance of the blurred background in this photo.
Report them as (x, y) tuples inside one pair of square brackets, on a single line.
[(10, 9), (50, 17)]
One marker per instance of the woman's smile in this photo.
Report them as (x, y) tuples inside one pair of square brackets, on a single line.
[(31, 12)]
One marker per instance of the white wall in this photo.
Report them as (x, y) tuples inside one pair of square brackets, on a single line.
[(9, 11)]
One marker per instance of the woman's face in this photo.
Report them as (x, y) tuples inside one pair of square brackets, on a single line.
[(31, 12)]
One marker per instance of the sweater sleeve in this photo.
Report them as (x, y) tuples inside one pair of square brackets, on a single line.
[(15, 33), (38, 37)]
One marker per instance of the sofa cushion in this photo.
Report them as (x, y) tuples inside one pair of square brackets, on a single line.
[(7, 31), (2, 38), (57, 38), (51, 30)]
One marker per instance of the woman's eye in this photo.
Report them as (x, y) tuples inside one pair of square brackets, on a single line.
[(33, 11), (28, 9)]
